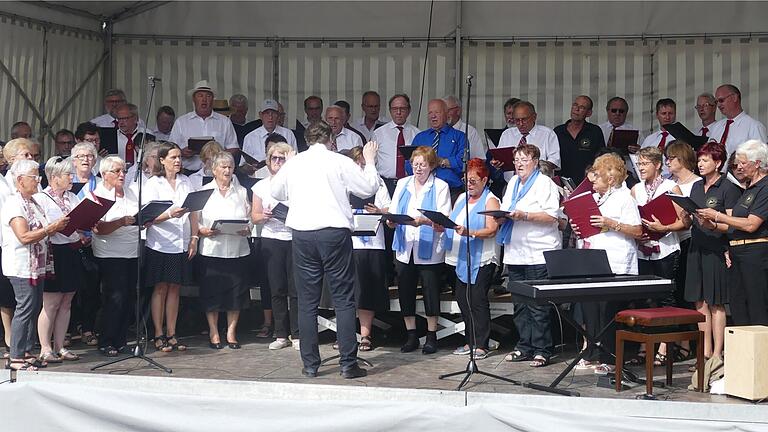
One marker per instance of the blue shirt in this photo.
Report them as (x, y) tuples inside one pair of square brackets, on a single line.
[(451, 146)]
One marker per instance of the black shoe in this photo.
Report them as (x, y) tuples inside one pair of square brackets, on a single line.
[(233, 345), (216, 346), (412, 344), (354, 372), (309, 373), (430, 345)]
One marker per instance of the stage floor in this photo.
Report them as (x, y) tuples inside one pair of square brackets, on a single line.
[(255, 362)]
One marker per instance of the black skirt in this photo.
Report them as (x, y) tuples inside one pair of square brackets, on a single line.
[(169, 268), (706, 276), (68, 268), (371, 289), (224, 283)]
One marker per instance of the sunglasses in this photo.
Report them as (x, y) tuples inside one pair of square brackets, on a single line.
[(618, 110)]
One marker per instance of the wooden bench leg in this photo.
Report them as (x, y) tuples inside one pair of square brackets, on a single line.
[(671, 351), (700, 360), (650, 348), (619, 358)]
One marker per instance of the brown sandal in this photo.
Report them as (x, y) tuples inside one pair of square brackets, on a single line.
[(171, 343), (365, 344)]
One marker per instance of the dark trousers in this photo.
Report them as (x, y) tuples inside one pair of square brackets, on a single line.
[(85, 304), (278, 260), (258, 274), (325, 253), (118, 297), (666, 268), (477, 326), (431, 281), (748, 297), (533, 322), (597, 315)]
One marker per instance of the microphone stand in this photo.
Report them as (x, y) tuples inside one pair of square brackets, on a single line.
[(472, 367), (138, 351)]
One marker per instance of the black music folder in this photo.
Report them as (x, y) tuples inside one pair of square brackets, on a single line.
[(494, 135), (682, 133), (280, 212), (439, 218), (196, 143), (196, 200), (398, 218), (360, 203), (108, 140), (231, 226), (407, 151), (151, 210), (252, 161), (494, 213), (76, 188), (684, 202)]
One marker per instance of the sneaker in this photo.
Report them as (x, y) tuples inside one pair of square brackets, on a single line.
[(603, 369), (296, 344), (279, 344)]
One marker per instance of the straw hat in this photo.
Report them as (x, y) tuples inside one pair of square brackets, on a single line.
[(221, 106)]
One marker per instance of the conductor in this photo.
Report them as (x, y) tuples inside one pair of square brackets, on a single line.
[(316, 182)]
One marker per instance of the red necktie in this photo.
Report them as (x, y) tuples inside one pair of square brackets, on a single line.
[(704, 131), (663, 141), (129, 151), (725, 132), (523, 141), (400, 173)]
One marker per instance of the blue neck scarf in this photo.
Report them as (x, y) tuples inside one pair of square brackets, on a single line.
[(505, 232), (476, 222), (427, 235)]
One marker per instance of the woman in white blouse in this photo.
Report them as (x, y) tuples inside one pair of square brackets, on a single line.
[(658, 257), (26, 262), (57, 201), (371, 290), (529, 229), (276, 253), (620, 225), (419, 249), (171, 244), (481, 231), (115, 246), (224, 256)]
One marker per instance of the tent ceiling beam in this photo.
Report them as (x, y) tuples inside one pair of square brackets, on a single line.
[(64, 9), (138, 8), (48, 24), (80, 88)]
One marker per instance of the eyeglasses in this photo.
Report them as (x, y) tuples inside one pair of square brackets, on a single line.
[(722, 99), (578, 106), (124, 118), (698, 107), (118, 171), (644, 163), (36, 177), (521, 161), (277, 159), (521, 119), (472, 181), (742, 163), (420, 165), (670, 158), (85, 157), (618, 110)]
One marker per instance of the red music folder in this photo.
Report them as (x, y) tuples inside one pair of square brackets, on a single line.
[(505, 155), (662, 208), (85, 215), (584, 186), (579, 209)]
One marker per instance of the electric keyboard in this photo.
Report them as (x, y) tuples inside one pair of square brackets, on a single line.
[(605, 288)]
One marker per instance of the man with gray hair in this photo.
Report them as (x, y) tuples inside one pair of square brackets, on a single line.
[(112, 99), (322, 244), (371, 106), (254, 144), (477, 147), (705, 108), (129, 136), (21, 129), (238, 103), (737, 127), (342, 138)]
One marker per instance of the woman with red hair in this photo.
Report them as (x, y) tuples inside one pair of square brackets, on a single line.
[(479, 234)]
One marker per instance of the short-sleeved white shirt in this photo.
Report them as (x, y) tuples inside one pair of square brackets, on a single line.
[(120, 243), (170, 236), (272, 227), (670, 242), (381, 200), (53, 212), (16, 255), (232, 205), (191, 125)]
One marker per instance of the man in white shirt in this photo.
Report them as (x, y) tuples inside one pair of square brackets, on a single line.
[(390, 163), (666, 113), (202, 122), (129, 136), (705, 108), (737, 127), (254, 142), (112, 99), (617, 109), (477, 146), (316, 183), (164, 120), (342, 138), (526, 131), (371, 106)]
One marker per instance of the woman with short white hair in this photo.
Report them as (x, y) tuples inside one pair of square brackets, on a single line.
[(747, 227), (57, 201), (115, 246), (26, 261), (15, 150)]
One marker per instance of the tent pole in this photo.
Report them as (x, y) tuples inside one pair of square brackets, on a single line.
[(107, 29), (457, 87), (276, 69), (21, 91)]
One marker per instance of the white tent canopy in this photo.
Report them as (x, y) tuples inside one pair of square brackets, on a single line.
[(546, 52)]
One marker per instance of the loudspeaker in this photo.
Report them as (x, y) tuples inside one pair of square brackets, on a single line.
[(746, 362)]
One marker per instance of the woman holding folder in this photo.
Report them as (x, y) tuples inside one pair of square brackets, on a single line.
[(171, 243), (56, 201), (619, 223), (115, 246), (276, 254), (659, 247), (419, 249), (479, 235), (224, 255)]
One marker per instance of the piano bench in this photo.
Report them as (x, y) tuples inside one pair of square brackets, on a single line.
[(642, 323)]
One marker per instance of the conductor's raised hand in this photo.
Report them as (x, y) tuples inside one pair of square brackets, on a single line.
[(369, 152)]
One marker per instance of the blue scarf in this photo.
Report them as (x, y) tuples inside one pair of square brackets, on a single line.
[(505, 232), (427, 235), (476, 221)]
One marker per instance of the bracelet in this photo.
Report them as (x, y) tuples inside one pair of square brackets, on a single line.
[(617, 228), (194, 237), (168, 212), (526, 216)]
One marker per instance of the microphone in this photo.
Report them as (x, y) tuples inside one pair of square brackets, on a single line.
[(470, 77), (154, 79)]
